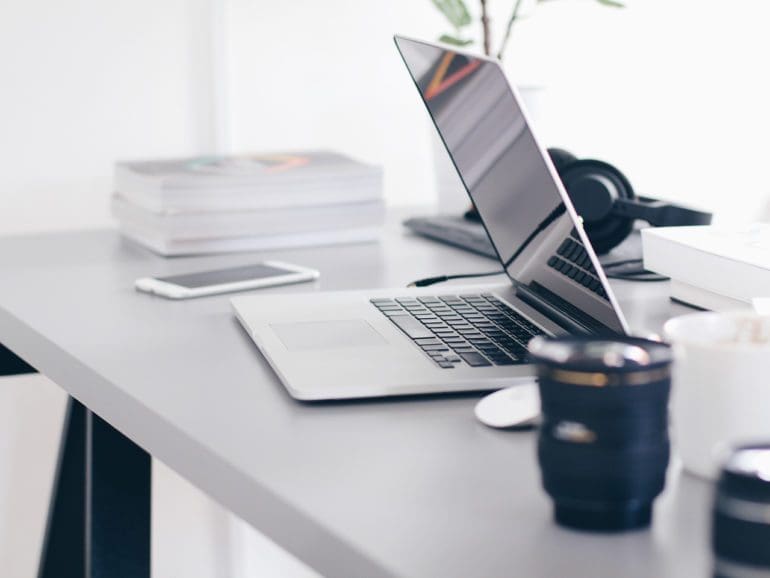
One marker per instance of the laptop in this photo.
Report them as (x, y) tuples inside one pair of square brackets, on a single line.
[(355, 344)]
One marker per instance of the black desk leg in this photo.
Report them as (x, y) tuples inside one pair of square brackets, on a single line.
[(11, 364), (99, 519), (64, 543)]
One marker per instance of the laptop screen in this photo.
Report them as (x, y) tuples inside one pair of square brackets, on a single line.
[(528, 217)]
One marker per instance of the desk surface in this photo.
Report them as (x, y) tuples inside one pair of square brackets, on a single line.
[(409, 487)]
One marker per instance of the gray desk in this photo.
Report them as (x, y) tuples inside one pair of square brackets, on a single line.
[(410, 487)]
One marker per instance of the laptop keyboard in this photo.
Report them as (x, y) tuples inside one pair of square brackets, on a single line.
[(475, 330), (572, 260)]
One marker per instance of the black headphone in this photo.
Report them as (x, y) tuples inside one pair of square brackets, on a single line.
[(606, 201)]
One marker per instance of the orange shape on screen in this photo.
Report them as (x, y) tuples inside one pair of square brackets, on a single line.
[(440, 82)]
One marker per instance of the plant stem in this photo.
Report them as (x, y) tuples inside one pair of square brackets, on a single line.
[(509, 28), (485, 27)]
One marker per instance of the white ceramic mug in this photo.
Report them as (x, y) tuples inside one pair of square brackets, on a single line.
[(721, 385)]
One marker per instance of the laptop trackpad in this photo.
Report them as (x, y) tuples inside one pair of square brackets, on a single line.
[(327, 334)]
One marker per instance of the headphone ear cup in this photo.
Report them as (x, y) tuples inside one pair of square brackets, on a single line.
[(561, 159), (593, 187)]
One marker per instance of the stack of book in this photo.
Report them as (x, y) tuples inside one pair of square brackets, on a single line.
[(221, 204), (712, 267)]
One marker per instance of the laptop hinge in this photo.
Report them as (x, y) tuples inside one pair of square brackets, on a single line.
[(553, 313)]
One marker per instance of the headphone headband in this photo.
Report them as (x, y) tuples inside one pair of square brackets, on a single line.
[(660, 213), (606, 201)]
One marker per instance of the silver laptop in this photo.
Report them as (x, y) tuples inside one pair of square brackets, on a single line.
[(340, 345)]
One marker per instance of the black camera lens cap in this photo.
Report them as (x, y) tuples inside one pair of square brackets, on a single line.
[(592, 354), (748, 470)]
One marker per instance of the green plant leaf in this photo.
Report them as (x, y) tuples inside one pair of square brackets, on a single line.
[(447, 39), (455, 11), (612, 3)]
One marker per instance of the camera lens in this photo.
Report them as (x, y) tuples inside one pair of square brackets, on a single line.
[(603, 445), (741, 523)]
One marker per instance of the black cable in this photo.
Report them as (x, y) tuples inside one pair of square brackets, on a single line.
[(634, 275), (637, 277), (620, 263), (641, 274), (441, 278), (542, 226)]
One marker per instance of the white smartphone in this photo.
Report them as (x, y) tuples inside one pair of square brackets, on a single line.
[(265, 274)]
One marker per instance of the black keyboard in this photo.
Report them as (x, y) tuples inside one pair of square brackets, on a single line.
[(477, 330), (572, 260)]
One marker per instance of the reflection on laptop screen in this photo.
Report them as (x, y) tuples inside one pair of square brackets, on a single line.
[(510, 183)]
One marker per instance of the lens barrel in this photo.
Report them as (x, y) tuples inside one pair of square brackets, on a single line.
[(741, 519), (603, 446)]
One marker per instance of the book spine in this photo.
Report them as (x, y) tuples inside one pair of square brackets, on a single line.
[(169, 248), (702, 299), (696, 267), (262, 198), (245, 223)]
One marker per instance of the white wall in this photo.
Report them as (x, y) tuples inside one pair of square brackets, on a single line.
[(673, 92), (85, 82), (314, 74)]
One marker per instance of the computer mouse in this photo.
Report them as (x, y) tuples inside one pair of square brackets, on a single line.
[(513, 407)]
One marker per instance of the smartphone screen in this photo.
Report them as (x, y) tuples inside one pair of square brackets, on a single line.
[(222, 276)]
